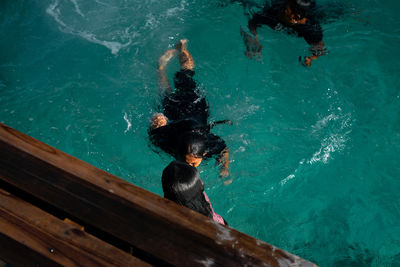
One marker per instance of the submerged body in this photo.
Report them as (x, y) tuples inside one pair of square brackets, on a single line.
[(295, 16), (182, 130)]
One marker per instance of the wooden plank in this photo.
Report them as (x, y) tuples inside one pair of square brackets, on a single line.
[(31, 237), (170, 232)]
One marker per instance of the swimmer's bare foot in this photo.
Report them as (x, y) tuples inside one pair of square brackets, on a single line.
[(185, 58), (165, 58), (181, 45), (228, 182)]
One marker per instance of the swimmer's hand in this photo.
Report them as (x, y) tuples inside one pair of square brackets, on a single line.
[(317, 50), (306, 62), (224, 172), (224, 161), (228, 182), (253, 47)]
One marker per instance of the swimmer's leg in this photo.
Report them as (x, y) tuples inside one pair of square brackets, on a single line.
[(185, 58), (162, 75)]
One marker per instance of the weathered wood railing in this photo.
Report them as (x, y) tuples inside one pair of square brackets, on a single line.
[(120, 219)]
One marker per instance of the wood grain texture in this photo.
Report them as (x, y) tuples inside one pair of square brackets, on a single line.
[(31, 237), (147, 221)]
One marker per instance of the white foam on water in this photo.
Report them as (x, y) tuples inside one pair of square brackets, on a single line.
[(338, 126), (115, 47), (175, 10), (151, 22), (128, 120), (77, 9), (324, 121), (333, 142), (290, 177), (101, 3), (329, 145), (55, 12)]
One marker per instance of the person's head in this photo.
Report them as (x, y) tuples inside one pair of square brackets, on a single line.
[(182, 184), (158, 120), (192, 148)]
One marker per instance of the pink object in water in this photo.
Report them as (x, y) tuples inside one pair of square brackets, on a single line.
[(216, 217)]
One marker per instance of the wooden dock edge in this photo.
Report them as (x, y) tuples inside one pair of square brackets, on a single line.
[(29, 235), (146, 221)]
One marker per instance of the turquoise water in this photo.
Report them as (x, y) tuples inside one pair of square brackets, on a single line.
[(315, 163)]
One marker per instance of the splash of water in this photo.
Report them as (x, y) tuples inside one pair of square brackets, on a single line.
[(54, 11)]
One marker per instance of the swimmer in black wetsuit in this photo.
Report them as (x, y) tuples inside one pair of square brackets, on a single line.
[(182, 129), (295, 15)]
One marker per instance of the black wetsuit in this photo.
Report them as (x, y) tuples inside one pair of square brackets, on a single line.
[(271, 15), (186, 111)]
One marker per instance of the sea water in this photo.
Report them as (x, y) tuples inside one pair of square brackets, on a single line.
[(314, 151)]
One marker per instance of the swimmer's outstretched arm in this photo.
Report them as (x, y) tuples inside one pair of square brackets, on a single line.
[(317, 50), (224, 161), (253, 46), (162, 75), (253, 26)]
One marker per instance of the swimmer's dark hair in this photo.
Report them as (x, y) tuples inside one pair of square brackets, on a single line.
[(182, 184), (191, 143)]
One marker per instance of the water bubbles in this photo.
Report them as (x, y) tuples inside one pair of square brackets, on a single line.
[(290, 177), (328, 146), (128, 120)]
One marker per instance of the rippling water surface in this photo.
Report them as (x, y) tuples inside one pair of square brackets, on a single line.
[(315, 152)]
